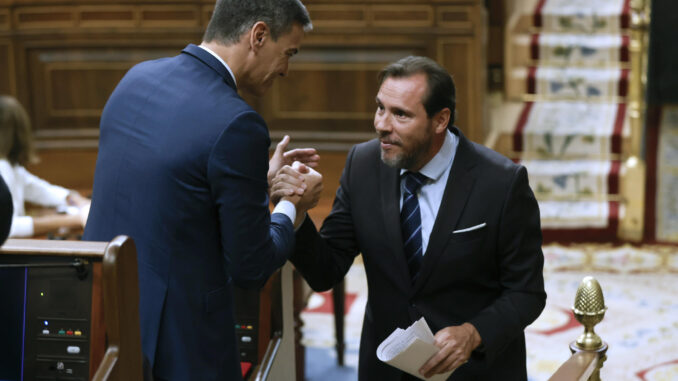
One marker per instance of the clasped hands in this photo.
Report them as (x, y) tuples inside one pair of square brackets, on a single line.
[(291, 177)]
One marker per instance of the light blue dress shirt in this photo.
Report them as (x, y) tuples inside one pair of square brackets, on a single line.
[(430, 195)]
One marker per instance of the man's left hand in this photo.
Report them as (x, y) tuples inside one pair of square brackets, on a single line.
[(280, 158), (456, 344)]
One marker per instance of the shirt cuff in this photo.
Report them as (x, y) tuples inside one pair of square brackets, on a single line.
[(287, 208), (22, 226)]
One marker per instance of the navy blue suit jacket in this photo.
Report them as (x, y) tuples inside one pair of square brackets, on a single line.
[(182, 170)]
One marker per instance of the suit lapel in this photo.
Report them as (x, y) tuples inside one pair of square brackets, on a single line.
[(211, 61), (459, 185), (389, 182)]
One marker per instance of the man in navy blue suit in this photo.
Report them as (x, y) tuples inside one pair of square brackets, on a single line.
[(183, 169)]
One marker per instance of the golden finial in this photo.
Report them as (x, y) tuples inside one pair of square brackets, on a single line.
[(589, 309)]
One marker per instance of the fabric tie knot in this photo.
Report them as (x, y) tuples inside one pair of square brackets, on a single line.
[(414, 181)]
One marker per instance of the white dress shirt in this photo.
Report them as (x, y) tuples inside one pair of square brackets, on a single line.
[(430, 195), (25, 186), (284, 207)]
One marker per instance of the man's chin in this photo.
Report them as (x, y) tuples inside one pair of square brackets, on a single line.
[(390, 159), (257, 91)]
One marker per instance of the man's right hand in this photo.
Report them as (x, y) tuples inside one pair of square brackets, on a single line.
[(288, 184), (310, 198), (300, 185)]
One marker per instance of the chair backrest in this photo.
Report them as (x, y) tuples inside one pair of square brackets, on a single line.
[(123, 359)]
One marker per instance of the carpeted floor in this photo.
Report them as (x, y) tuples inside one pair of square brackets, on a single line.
[(641, 325)]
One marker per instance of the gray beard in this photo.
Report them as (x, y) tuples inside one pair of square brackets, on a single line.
[(409, 160), (401, 161)]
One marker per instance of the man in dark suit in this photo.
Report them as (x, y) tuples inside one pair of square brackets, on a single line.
[(6, 211), (449, 230), (182, 169)]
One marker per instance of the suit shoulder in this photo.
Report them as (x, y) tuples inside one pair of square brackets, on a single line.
[(493, 159), (368, 149), (150, 68)]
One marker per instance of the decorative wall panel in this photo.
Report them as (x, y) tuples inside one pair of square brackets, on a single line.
[(7, 78), (355, 16), (4, 19), (62, 60)]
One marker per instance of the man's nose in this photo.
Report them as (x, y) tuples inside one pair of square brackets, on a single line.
[(381, 123), (283, 71)]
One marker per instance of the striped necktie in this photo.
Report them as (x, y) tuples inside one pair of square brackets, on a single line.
[(410, 222)]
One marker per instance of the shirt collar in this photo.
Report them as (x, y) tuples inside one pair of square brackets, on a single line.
[(442, 160), (208, 50)]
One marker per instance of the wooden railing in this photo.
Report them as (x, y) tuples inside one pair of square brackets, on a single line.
[(578, 367)]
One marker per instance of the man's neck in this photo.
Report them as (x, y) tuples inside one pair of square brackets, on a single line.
[(233, 55)]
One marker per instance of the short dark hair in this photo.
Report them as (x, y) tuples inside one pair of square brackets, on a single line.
[(232, 18), (441, 92), (16, 139)]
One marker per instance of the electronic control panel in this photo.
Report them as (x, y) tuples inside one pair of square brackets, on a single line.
[(246, 304), (46, 320)]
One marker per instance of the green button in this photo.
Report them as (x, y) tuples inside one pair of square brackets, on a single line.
[(62, 332)]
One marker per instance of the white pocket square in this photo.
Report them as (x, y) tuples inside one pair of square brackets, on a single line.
[(480, 226)]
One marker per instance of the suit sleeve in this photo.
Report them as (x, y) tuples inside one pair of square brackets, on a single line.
[(521, 264), (255, 244), (324, 258), (6, 211)]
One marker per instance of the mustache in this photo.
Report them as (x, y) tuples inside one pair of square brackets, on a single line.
[(385, 138)]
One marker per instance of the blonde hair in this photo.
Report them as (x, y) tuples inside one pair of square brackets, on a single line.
[(16, 141)]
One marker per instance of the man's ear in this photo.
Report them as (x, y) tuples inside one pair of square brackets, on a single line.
[(259, 35), (441, 119)]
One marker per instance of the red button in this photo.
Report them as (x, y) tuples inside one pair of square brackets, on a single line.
[(245, 368), (69, 332)]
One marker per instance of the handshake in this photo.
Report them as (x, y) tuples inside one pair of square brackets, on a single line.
[(297, 182)]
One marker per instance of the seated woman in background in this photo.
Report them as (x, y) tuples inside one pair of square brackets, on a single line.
[(16, 151)]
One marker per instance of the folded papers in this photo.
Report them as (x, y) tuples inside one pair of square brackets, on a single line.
[(409, 349)]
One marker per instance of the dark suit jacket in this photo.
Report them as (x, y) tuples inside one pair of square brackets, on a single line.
[(6, 211), (182, 170), (490, 277)]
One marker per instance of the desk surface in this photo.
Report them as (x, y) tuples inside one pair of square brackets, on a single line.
[(53, 247)]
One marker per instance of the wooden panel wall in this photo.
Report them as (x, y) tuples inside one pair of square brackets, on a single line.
[(62, 61)]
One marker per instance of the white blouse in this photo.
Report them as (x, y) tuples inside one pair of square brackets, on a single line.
[(25, 186)]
